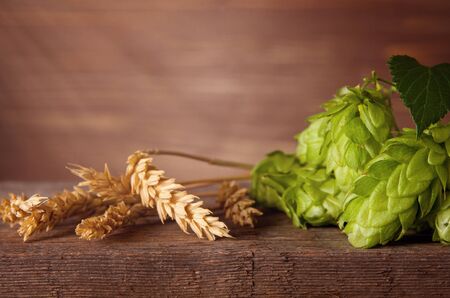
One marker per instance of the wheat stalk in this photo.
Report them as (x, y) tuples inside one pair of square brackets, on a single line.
[(114, 218), (170, 198), (237, 204)]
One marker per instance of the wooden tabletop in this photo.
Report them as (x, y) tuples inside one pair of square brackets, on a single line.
[(274, 259), (92, 81)]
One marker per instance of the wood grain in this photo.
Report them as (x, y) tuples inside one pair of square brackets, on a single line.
[(273, 260), (92, 81)]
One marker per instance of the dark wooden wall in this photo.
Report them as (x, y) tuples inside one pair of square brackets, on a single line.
[(91, 81)]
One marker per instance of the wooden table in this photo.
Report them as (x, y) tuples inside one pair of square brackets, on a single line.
[(274, 259), (92, 81)]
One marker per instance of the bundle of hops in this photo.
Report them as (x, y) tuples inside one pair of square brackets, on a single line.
[(305, 194), (331, 153), (351, 131), (402, 187)]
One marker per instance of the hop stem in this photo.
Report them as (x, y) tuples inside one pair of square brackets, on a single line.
[(211, 161), (385, 81)]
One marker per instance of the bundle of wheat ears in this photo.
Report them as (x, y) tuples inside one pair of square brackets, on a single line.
[(107, 203)]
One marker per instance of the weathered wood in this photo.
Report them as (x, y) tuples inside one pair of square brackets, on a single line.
[(275, 259), (92, 81)]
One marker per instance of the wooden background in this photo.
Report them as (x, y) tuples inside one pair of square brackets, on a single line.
[(91, 81)]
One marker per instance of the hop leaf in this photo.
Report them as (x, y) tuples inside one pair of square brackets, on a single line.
[(424, 90)]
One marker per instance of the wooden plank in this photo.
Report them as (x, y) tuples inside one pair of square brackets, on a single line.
[(92, 81), (275, 260)]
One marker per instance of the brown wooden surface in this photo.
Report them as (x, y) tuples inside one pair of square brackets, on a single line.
[(273, 260), (92, 81)]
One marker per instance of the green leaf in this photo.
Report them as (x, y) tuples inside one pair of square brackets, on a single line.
[(424, 90)]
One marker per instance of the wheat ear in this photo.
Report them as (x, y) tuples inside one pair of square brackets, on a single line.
[(237, 204), (170, 198), (14, 209), (114, 218), (54, 210), (110, 188)]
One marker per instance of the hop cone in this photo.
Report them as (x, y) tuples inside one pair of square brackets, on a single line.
[(305, 194), (271, 177), (401, 187), (442, 223), (349, 132)]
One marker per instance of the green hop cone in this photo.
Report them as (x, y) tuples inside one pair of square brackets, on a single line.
[(350, 132), (401, 187), (272, 176), (315, 199), (307, 195), (442, 222)]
